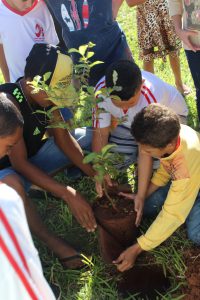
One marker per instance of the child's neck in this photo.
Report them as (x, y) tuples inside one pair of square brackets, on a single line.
[(12, 4)]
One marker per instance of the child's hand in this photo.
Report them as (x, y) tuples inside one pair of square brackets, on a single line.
[(139, 204), (127, 258), (185, 36), (98, 185)]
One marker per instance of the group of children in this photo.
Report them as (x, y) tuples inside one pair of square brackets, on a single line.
[(150, 112)]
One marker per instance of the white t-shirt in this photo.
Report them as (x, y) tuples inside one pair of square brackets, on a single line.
[(21, 274), (154, 90), (19, 31)]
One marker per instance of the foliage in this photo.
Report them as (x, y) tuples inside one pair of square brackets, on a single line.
[(63, 94), (104, 162), (82, 70)]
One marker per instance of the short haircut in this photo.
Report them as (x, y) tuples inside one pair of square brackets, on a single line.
[(129, 78), (10, 116), (155, 125)]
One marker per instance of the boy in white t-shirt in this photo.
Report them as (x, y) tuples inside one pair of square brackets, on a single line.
[(22, 24), (136, 89), (21, 274)]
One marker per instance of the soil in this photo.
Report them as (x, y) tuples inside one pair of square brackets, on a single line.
[(192, 261), (144, 280), (116, 228), (117, 231)]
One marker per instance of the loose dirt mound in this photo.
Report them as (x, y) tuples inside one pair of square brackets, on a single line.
[(192, 261)]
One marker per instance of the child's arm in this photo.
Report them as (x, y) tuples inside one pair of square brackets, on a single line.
[(144, 176), (3, 65), (132, 3), (100, 138), (116, 6), (144, 173), (78, 205)]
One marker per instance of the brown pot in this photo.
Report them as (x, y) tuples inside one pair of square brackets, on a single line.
[(116, 229)]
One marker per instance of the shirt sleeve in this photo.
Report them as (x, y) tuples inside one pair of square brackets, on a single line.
[(160, 177), (175, 7), (178, 103), (179, 202), (101, 118), (50, 34)]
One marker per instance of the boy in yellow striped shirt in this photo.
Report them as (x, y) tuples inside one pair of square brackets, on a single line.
[(174, 189)]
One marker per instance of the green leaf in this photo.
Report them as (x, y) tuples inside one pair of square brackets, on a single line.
[(73, 50), (91, 45), (36, 131), (96, 63), (90, 90), (115, 97), (98, 178), (82, 49), (38, 111), (89, 158), (89, 54), (46, 76), (107, 148)]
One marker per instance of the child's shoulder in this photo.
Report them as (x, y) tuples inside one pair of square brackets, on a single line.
[(188, 133)]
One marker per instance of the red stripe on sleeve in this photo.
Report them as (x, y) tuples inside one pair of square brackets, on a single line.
[(11, 233), (17, 270), (147, 98), (150, 93), (99, 85)]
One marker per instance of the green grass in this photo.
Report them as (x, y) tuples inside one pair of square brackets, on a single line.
[(97, 284)]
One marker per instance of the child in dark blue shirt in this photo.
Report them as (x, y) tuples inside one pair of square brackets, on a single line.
[(85, 21)]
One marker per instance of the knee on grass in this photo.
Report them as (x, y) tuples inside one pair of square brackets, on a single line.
[(15, 182), (194, 236)]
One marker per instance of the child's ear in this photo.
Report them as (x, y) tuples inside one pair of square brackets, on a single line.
[(170, 147), (139, 88)]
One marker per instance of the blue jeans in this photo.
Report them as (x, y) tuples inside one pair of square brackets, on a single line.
[(127, 146), (154, 204), (50, 158), (193, 59), (66, 113)]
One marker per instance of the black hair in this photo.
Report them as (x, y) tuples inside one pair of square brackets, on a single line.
[(129, 78), (155, 125), (10, 116)]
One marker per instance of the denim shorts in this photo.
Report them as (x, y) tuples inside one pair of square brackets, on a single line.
[(50, 158)]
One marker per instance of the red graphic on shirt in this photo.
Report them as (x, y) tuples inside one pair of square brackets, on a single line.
[(176, 167), (39, 33)]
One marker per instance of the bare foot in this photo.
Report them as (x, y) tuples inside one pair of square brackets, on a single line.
[(67, 255), (184, 89)]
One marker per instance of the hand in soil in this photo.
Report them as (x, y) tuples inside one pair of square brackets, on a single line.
[(81, 210), (138, 207), (127, 258)]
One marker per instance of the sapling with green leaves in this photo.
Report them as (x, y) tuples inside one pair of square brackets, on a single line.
[(62, 95), (104, 163), (65, 95)]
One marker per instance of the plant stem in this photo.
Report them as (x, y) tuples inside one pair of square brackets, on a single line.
[(109, 198)]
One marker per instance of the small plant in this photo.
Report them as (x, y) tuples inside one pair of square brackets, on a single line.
[(82, 70), (64, 95), (104, 163)]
